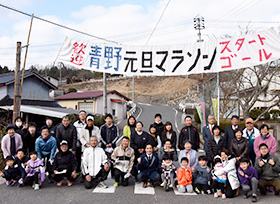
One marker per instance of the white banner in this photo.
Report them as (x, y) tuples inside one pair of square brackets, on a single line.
[(166, 60)]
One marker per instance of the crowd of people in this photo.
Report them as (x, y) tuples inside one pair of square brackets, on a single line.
[(240, 159)]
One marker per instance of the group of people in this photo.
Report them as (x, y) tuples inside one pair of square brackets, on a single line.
[(242, 158)]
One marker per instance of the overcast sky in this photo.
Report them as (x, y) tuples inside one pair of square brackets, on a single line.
[(125, 21)]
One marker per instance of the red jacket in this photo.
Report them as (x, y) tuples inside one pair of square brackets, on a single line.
[(184, 176)]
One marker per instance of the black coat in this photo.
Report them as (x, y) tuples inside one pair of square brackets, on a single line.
[(214, 148), (229, 135), (109, 135), (160, 128), (16, 172), (65, 160), (140, 141), (29, 141), (173, 139), (193, 137), (240, 148), (69, 134)]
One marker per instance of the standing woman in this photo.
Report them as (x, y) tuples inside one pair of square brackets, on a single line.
[(169, 133), (130, 128), (232, 183), (240, 146)]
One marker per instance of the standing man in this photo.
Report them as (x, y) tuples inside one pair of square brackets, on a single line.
[(207, 131), (51, 127), (30, 137), (250, 133), (189, 133), (80, 124), (159, 125), (67, 131), (229, 130)]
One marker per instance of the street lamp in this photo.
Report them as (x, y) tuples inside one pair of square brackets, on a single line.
[(199, 25)]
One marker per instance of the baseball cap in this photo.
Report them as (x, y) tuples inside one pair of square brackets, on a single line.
[(90, 118), (63, 142), (249, 120)]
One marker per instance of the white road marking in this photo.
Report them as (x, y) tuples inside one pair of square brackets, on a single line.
[(111, 189), (145, 104), (176, 125), (141, 110), (138, 189)]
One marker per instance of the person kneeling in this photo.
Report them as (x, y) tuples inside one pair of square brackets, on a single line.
[(35, 171), (95, 166), (184, 176), (123, 157), (149, 166), (64, 165)]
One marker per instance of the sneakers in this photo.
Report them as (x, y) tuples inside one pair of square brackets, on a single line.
[(11, 183), (224, 196), (36, 187), (102, 185), (197, 190), (20, 185), (170, 186), (152, 185), (216, 195), (69, 183), (58, 183), (162, 184), (116, 184), (145, 185), (245, 196), (254, 198), (208, 192)]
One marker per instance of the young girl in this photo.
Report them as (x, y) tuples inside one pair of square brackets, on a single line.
[(168, 168), (218, 182), (34, 168), (153, 133)]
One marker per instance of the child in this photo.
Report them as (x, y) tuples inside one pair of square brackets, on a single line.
[(202, 175), (168, 168), (184, 176), (34, 168), (218, 182), (21, 159), (248, 177), (13, 172)]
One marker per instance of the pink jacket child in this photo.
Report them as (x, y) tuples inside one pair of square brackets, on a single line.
[(36, 167), (269, 140)]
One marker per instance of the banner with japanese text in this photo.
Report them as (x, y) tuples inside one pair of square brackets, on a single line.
[(253, 49)]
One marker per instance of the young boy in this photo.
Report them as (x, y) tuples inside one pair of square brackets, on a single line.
[(248, 177), (34, 168), (168, 168), (13, 172), (202, 175), (184, 176), (21, 159), (218, 182)]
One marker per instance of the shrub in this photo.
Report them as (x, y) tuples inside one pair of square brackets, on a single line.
[(267, 116), (254, 113), (71, 90), (275, 113)]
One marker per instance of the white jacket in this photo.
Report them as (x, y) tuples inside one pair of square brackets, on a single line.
[(230, 169), (92, 165), (256, 133), (84, 136)]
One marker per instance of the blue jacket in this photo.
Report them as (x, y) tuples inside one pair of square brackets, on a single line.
[(194, 158), (16, 171), (45, 148), (201, 175), (206, 135), (147, 168)]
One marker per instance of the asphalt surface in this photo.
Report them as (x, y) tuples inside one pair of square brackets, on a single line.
[(52, 194)]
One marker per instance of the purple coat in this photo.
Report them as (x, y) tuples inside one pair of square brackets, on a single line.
[(251, 172), (36, 166)]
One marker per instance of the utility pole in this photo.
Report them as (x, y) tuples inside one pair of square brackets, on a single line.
[(199, 25), (133, 99), (218, 99), (104, 94), (17, 83)]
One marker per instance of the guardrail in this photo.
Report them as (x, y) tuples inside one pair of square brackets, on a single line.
[(132, 110)]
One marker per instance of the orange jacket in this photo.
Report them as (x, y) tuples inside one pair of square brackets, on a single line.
[(184, 176)]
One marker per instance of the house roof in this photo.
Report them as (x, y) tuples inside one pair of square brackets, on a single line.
[(8, 78), (89, 94)]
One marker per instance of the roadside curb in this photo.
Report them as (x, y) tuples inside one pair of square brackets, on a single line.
[(2, 181)]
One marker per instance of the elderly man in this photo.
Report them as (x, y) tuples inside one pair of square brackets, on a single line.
[(123, 157), (250, 133), (95, 166)]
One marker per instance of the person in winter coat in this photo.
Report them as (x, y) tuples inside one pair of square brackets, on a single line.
[(35, 170), (268, 168), (45, 146), (169, 133), (201, 176), (167, 149), (189, 133), (239, 146), (11, 142), (184, 177), (19, 127), (229, 130), (156, 138), (229, 166), (95, 166), (190, 154), (50, 126), (248, 177), (215, 144), (130, 128), (89, 131), (207, 132), (158, 124), (123, 159), (30, 137), (266, 138), (21, 159), (109, 135), (67, 131), (149, 166), (64, 161)]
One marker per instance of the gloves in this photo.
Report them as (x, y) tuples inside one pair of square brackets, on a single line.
[(51, 161), (127, 175)]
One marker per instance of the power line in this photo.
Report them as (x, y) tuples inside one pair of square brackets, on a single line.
[(59, 25), (158, 22)]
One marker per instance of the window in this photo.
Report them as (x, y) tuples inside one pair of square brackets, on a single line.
[(114, 112)]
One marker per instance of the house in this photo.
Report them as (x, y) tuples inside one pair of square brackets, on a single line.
[(52, 80), (36, 102), (92, 102)]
